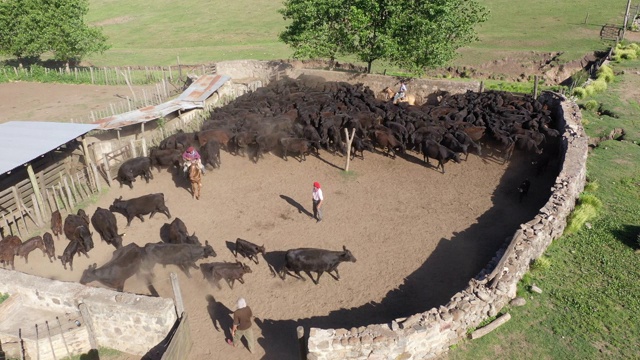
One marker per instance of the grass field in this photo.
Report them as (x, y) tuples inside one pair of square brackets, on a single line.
[(201, 31), (590, 305)]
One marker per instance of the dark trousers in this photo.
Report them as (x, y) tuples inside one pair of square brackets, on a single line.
[(317, 213)]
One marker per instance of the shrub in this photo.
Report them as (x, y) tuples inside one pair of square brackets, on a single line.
[(606, 73), (591, 187), (580, 92), (599, 85), (541, 264), (587, 209), (590, 199), (590, 90), (3, 297), (591, 105)]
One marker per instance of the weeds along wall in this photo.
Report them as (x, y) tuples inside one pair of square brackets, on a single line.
[(431, 333), (127, 322)]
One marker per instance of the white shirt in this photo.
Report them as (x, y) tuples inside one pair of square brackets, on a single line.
[(317, 194)]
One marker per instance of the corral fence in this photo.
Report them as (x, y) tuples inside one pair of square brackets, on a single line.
[(60, 184), (611, 32)]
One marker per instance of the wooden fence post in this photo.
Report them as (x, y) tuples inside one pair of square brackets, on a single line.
[(96, 177), (535, 87), (88, 324), (349, 141), (177, 294), (302, 343)]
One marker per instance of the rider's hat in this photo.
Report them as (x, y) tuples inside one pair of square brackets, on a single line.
[(190, 149)]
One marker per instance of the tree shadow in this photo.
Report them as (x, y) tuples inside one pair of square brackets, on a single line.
[(295, 204), (219, 315), (629, 235), (91, 355)]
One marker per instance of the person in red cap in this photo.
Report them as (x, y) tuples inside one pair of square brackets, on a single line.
[(317, 201), (189, 156)]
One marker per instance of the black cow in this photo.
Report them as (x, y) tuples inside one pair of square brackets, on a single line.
[(176, 233), (74, 247), (106, 225), (248, 250), (523, 189), (431, 149), (360, 145), (165, 158), (211, 154), (49, 246), (83, 215), (124, 263), (182, 255), (132, 168), (139, 206), (316, 260), (298, 146), (230, 272), (76, 227)]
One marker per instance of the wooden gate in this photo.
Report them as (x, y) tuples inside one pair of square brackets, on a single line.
[(610, 32)]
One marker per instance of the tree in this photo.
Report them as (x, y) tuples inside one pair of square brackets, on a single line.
[(413, 34), (31, 28)]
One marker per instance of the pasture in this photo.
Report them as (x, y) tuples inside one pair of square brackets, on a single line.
[(201, 31)]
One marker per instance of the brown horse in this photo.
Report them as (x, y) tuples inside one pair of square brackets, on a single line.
[(195, 177), (389, 94)]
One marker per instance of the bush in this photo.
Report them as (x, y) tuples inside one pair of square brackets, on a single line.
[(599, 85), (541, 264), (606, 73), (590, 90), (580, 92), (587, 209), (591, 105), (591, 187)]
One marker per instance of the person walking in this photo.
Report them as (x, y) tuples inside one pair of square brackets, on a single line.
[(317, 201), (242, 325)]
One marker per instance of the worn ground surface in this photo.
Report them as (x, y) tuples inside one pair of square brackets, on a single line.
[(418, 235)]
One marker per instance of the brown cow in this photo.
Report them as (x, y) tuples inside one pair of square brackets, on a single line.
[(49, 246), (28, 246), (220, 135), (8, 248), (56, 223)]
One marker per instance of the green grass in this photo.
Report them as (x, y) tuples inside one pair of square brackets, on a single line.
[(3, 297), (201, 31), (589, 308)]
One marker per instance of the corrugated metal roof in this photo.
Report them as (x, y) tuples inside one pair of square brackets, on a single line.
[(23, 141), (192, 98)]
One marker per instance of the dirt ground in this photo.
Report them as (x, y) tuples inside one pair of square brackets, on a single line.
[(418, 235), (57, 102)]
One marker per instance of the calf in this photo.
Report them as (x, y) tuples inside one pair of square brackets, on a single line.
[(106, 225), (30, 245), (77, 228), (74, 247), (49, 246), (8, 248), (176, 233), (431, 149), (388, 141), (181, 140), (132, 168), (222, 136), (523, 189), (83, 215), (165, 158), (248, 250), (182, 255), (124, 263), (316, 260), (136, 207), (295, 145), (230, 272), (56, 223)]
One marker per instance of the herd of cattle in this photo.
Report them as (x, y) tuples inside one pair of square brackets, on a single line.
[(176, 248), (294, 117)]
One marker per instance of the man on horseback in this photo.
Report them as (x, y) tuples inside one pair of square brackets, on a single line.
[(191, 156), (401, 92)]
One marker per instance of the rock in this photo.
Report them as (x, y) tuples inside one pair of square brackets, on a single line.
[(519, 301), (536, 289), (588, 225)]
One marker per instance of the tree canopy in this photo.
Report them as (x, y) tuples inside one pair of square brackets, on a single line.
[(413, 34), (31, 28)]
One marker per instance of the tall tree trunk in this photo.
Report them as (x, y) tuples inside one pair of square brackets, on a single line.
[(369, 66)]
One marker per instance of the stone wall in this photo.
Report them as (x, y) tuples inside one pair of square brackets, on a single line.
[(122, 321), (428, 334)]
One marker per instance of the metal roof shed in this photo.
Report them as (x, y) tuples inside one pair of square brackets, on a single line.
[(23, 141)]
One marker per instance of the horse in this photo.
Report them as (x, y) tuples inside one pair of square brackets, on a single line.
[(195, 177), (389, 94)]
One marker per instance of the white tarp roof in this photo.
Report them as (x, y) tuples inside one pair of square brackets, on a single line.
[(23, 141)]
